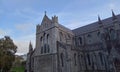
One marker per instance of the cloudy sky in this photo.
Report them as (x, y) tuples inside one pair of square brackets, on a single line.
[(18, 18)]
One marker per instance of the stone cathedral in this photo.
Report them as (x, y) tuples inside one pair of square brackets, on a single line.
[(91, 48)]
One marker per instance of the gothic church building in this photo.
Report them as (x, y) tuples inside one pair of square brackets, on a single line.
[(91, 48)]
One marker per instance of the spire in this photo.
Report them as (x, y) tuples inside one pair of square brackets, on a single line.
[(99, 20), (30, 47), (113, 15), (45, 12)]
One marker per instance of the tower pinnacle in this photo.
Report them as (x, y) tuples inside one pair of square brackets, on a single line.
[(30, 47), (45, 12), (113, 15), (99, 20)]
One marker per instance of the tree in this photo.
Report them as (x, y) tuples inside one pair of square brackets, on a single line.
[(7, 53)]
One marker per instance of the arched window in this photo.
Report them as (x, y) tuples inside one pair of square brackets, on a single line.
[(47, 38), (61, 35), (44, 39), (98, 34), (61, 57), (45, 49), (79, 58), (101, 58), (48, 49), (69, 36), (112, 34), (88, 57), (41, 39), (75, 59), (80, 40), (47, 45), (88, 35), (76, 41), (89, 38)]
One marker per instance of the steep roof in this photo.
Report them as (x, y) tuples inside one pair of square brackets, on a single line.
[(94, 26), (46, 19), (65, 28)]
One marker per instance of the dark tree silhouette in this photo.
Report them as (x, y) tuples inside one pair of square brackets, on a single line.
[(7, 53)]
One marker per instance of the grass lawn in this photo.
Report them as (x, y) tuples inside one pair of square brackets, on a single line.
[(18, 69)]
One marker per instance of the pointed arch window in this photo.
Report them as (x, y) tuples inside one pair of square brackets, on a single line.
[(88, 57), (61, 57), (61, 35), (98, 34), (112, 34), (47, 38), (45, 49), (89, 38), (48, 49), (76, 41), (41, 39), (89, 35), (75, 59), (47, 46), (44, 38), (107, 35), (80, 40), (101, 58)]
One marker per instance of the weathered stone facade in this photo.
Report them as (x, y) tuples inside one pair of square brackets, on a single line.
[(91, 48)]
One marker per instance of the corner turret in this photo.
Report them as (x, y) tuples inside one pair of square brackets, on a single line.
[(55, 19), (30, 47), (113, 15)]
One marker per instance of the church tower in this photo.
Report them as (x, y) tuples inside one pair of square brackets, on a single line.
[(45, 55)]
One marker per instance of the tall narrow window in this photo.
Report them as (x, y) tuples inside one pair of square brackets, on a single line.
[(48, 49), (48, 43), (101, 58), (61, 57), (98, 34), (80, 40), (44, 38), (69, 36), (79, 58), (47, 38), (76, 41), (88, 57), (61, 35), (75, 59), (112, 34), (45, 48), (41, 40)]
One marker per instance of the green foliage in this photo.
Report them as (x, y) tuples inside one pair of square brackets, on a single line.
[(7, 53), (18, 69)]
